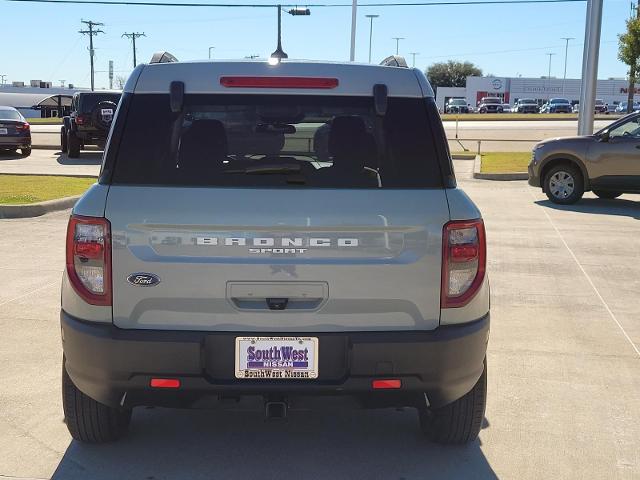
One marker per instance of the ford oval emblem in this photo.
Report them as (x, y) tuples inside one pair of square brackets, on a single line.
[(143, 279)]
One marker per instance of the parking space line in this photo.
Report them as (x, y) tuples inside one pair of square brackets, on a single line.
[(584, 272), (28, 293)]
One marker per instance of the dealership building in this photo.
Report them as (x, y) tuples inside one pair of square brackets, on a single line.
[(612, 91)]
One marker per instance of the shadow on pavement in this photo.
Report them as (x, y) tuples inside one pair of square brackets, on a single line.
[(86, 158), (331, 441), (4, 155), (619, 207)]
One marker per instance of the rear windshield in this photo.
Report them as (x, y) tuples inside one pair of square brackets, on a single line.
[(277, 141), (527, 100), (10, 115), (559, 100), (87, 102), (491, 100)]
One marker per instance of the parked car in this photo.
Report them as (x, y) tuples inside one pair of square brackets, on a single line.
[(576, 108), (490, 105), (622, 107), (506, 108), (89, 121), (15, 132), (178, 290), (600, 106), (456, 105), (606, 163), (526, 105), (557, 105), (611, 108)]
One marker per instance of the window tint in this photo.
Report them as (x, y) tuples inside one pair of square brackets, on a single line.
[(630, 128), (87, 102), (10, 115), (277, 141)]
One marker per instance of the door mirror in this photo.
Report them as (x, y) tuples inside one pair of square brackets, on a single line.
[(605, 136)]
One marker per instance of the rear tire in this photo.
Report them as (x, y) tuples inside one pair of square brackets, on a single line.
[(605, 194), (25, 152), (460, 421), (73, 145), (563, 184), (63, 140), (90, 421)]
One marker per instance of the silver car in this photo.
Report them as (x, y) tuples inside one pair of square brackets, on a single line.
[(276, 231)]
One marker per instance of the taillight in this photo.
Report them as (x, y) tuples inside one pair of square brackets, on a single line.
[(279, 82), (464, 259), (89, 258), (80, 120), (23, 127)]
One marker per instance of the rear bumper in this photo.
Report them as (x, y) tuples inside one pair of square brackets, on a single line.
[(15, 141), (106, 362)]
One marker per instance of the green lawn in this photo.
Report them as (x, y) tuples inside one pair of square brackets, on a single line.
[(21, 189), (505, 162)]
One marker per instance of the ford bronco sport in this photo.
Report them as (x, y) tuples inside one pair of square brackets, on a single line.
[(276, 231), (89, 121)]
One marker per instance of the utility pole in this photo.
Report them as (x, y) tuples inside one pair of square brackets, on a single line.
[(590, 66), (133, 36), (354, 18), (397, 39), (413, 54), (371, 17), (211, 48), (110, 74), (566, 51), (549, 77), (92, 32)]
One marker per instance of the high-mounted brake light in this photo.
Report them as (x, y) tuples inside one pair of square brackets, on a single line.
[(89, 258), (464, 258), (279, 82)]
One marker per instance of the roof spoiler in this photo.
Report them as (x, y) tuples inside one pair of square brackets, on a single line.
[(163, 57), (394, 61)]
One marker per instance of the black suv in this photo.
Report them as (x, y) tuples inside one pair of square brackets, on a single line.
[(89, 122)]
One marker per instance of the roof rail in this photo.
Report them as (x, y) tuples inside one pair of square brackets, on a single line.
[(394, 61), (163, 57)]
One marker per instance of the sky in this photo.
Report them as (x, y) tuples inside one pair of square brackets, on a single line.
[(504, 40)]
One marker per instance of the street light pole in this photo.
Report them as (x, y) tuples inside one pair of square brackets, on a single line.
[(279, 53), (371, 17), (566, 51), (413, 54), (211, 48), (397, 39), (354, 18), (549, 77), (590, 66)]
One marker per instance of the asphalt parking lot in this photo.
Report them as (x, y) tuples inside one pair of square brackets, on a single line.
[(51, 162), (564, 369)]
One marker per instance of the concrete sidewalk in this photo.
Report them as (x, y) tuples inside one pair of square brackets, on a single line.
[(51, 162)]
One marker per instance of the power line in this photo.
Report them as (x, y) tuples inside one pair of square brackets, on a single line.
[(133, 36), (92, 33), (310, 5)]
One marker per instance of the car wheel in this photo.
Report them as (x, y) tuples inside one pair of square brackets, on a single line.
[(63, 140), (460, 421), (26, 151), (563, 184), (73, 145), (606, 194), (88, 420)]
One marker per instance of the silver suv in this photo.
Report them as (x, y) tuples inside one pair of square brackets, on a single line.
[(277, 231)]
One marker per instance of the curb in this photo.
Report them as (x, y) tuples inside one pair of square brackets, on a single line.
[(56, 174), (37, 209), (463, 156), (45, 147), (495, 176)]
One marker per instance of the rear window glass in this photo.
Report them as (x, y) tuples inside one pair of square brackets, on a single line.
[(277, 141), (10, 115), (87, 102)]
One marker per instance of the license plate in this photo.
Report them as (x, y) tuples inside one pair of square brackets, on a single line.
[(279, 358), (3, 131)]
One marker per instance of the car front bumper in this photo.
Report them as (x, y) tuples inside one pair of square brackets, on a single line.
[(115, 366)]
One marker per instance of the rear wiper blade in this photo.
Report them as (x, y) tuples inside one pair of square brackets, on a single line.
[(267, 169)]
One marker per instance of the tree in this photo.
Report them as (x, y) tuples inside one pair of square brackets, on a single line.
[(120, 81), (629, 53), (451, 73)]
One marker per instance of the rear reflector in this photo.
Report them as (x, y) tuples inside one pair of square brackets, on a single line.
[(386, 384), (165, 383), (278, 82)]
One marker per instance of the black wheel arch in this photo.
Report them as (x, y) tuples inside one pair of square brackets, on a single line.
[(558, 159)]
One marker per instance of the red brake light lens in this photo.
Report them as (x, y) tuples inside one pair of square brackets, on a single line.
[(89, 258), (165, 383), (391, 383), (463, 262), (279, 82), (80, 120), (23, 126)]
